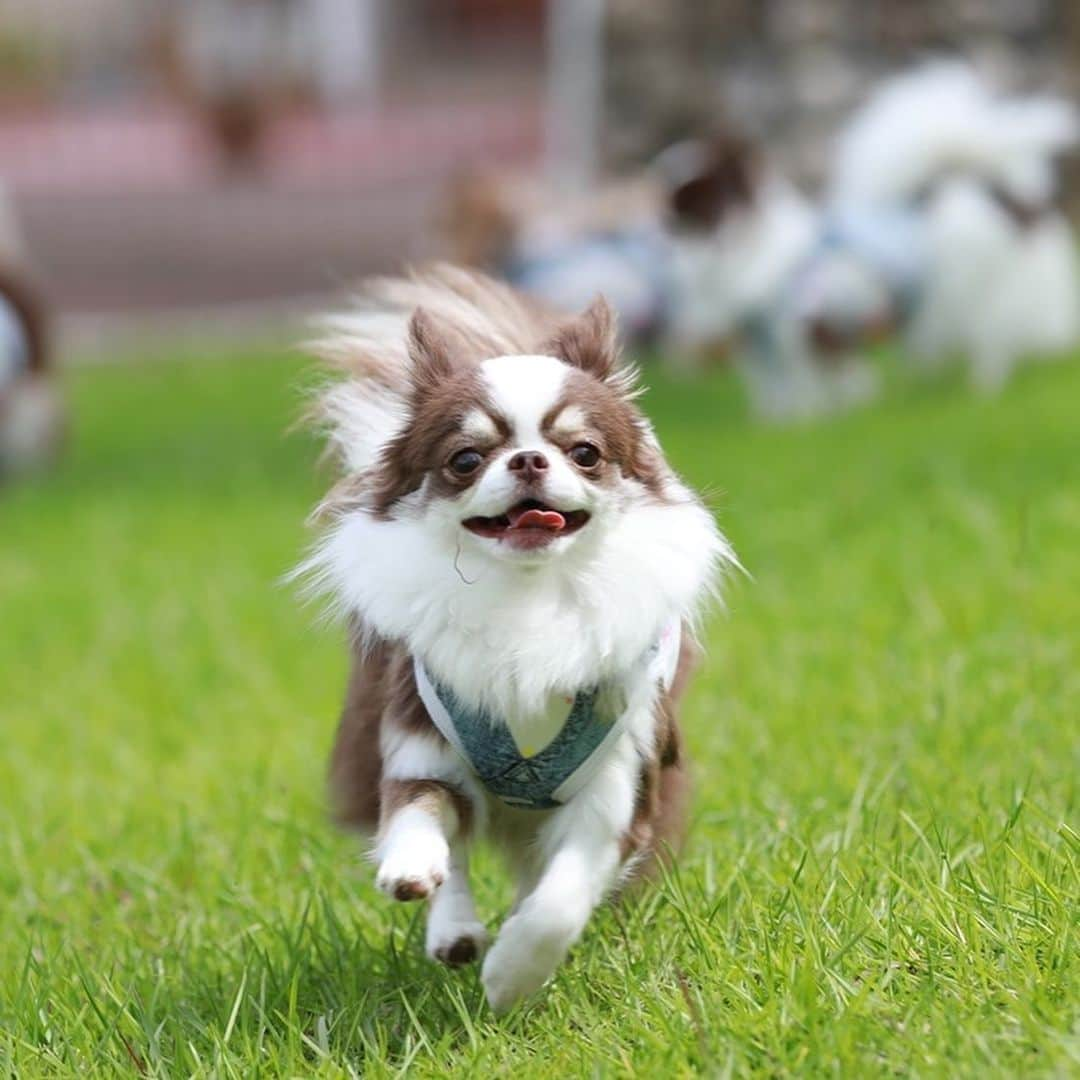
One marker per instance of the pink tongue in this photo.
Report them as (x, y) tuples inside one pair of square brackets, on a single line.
[(551, 520)]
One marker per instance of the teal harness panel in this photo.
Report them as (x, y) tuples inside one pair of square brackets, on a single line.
[(548, 778), (528, 782)]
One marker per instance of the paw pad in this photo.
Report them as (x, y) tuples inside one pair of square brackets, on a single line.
[(415, 888), (458, 953)]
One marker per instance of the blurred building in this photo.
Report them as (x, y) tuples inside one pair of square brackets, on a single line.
[(791, 70), (336, 49), (179, 153), (188, 152)]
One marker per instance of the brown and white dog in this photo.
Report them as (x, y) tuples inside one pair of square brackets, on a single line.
[(520, 568), (31, 414), (940, 226)]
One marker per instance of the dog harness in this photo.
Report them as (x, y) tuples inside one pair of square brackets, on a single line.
[(595, 718)]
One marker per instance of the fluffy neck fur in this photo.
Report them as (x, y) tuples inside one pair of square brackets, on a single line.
[(506, 636)]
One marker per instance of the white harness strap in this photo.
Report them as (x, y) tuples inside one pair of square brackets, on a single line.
[(662, 660), (436, 710)]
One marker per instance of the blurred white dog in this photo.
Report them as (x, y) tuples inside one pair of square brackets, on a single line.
[(939, 223)]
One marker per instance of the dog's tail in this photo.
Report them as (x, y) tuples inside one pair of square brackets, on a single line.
[(943, 121)]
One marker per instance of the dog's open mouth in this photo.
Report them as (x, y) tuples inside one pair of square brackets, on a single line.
[(528, 524)]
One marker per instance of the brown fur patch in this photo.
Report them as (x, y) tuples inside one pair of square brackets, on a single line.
[(488, 319), (381, 690), (617, 428), (464, 950), (437, 350), (446, 387), (725, 182), (430, 438), (433, 796), (356, 760), (589, 342), (658, 827)]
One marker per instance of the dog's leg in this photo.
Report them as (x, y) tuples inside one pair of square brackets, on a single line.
[(425, 817), (535, 939), (455, 934), (424, 804), (418, 819), (584, 854)]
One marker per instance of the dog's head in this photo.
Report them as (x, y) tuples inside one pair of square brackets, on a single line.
[(709, 182), (518, 457), (737, 230)]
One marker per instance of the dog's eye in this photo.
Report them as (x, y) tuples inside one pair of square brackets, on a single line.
[(466, 462), (584, 455)]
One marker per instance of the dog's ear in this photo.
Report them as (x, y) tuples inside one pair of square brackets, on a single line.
[(436, 351), (589, 342)]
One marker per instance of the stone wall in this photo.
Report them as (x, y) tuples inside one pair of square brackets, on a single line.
[(790, 71)]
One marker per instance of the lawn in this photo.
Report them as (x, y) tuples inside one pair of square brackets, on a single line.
[(882, 873)]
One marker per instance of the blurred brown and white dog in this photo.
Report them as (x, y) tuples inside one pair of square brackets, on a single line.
[(31, 417), (520, 568), (562, 249), (939, 224)]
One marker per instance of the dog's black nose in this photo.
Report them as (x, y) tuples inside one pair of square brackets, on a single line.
[(528, 463)]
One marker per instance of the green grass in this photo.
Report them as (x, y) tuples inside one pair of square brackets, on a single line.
[(882, 876)]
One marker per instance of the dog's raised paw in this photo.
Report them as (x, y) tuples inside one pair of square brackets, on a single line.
[(413, 875), (415, 888), (409, 888)]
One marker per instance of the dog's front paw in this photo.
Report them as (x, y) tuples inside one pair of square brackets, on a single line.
[(456, 944), (522, 959), (416, 871)]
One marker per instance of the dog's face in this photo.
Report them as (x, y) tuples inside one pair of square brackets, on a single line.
[(518, 458)]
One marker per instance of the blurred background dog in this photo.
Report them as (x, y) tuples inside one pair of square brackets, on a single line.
[(780, 185), (938, 223), (31, 421)]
